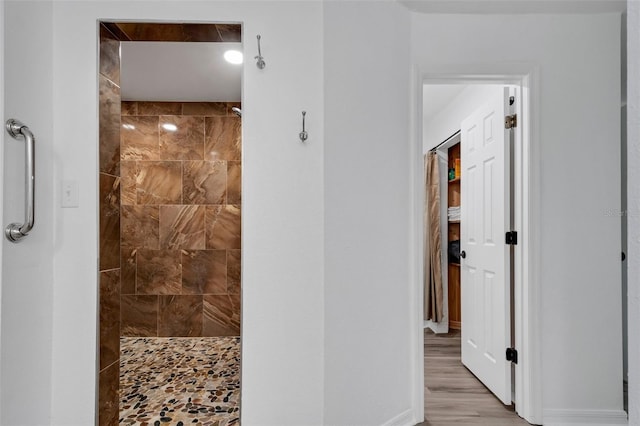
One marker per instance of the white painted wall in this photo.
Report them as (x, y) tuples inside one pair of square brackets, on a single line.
[(367, 214), (26, 282), (283, 223), (334, 210), (633, 206), (579, 63), (443, 124)]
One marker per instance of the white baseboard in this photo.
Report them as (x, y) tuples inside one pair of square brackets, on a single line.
[(437, 327), (584, 417), (402, 419)]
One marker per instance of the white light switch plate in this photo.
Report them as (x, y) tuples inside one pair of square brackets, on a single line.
[(70, 196)]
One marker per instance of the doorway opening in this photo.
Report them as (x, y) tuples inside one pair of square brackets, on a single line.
[(449, 103), (170, 223), (469, 176)]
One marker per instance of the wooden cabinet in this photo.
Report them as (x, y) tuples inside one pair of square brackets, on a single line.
[(453, 233)]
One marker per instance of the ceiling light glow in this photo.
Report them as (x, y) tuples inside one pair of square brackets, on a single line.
[(170, 127), (233, 56), (129, 126)]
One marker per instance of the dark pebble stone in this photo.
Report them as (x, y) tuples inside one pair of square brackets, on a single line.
[(156, 423), (165, 419), (180, 424)]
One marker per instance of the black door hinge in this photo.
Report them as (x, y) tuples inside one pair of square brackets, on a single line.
[(512, 355), (511, 238)]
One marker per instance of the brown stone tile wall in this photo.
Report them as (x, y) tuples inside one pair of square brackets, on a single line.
[(109, 191), (152, 31), (180, 196)]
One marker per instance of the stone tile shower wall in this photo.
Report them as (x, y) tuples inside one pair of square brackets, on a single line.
[(109, 142), (180, 219)]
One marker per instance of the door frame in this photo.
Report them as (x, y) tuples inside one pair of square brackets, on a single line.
[(528, 371), (2, 139)]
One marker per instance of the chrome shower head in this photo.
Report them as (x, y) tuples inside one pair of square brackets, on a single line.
[(237, 111)]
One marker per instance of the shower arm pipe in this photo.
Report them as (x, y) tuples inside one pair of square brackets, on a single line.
[(14, 232)]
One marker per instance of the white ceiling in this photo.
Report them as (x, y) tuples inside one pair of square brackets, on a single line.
[(179, 71), (435, 97), (515, 6)]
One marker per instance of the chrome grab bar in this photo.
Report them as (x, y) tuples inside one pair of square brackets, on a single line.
[(16, 231)]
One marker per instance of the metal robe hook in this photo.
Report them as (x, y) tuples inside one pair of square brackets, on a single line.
[(303, 134), (260, 64)]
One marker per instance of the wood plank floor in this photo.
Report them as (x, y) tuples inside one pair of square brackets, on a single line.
[(453, 396)]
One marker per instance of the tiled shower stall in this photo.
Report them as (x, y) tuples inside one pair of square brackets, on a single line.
[(170, 240)]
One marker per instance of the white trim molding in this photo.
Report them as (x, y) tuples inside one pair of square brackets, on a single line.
[(527, 273), (441, 327), (559, 417), (403, 419), (416, 248), (2, 137)]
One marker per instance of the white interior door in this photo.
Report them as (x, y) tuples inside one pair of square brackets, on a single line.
[(484, 212)]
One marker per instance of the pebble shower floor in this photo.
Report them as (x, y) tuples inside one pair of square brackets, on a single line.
[(180, 381)]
